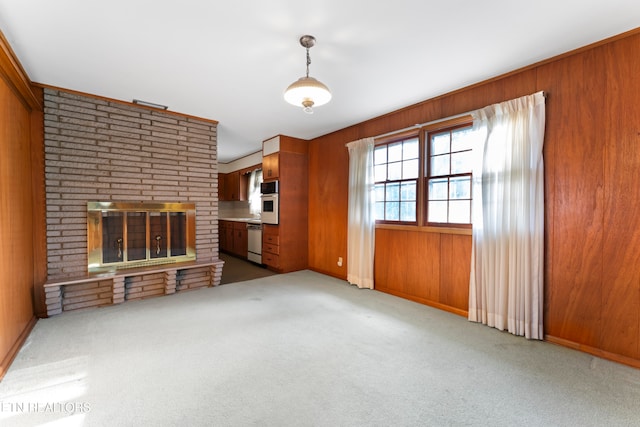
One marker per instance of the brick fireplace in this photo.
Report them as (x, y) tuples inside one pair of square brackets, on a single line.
[(103, 150)]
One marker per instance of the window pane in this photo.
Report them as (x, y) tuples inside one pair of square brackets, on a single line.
[(462, 139), (379, 210), (410, 149), (440, 143), (440, 165), (460, 211), (407, 211), (408, 190), (437, 211), (461, 162), (393, 192), (460, 188), (395, 152), (438, 189), (410, 169), (379, 188), (380, 155), (449, 175), (392, 211), (380, 172), (395, 171)]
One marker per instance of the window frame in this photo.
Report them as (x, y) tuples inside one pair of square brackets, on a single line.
[(425, 133), (422, 196), (400, 137)]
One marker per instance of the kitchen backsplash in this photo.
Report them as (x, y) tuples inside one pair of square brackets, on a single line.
[(234, 209)]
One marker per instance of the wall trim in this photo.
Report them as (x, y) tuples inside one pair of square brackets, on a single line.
[(629, 361), (529, 67), (127, 103), (15, 348), (424, 301), (15, 75)]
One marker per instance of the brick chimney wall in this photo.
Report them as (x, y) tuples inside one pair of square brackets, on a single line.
[(99, 150)]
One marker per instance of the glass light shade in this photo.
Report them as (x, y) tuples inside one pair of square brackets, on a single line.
[(307, 89)]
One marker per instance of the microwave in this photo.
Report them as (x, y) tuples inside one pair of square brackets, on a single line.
[(270, 187), (269, 208)]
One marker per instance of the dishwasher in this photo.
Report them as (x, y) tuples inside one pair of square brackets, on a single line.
[(254, 237)]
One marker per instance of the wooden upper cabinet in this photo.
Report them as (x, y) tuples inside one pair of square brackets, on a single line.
[(271, 166), (222, 179), (233, 186)]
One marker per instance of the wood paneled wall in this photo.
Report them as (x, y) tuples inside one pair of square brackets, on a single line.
[(592, 174), (21, 216), (592, 154), (427, 267)]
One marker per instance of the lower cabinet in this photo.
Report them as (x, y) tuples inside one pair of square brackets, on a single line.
[(271, 246), (226, 235), (233, 237), (240, 239)]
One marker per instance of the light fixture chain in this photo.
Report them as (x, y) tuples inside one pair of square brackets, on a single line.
[(307, 91)]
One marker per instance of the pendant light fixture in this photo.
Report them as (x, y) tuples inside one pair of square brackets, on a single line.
[(307, 92)]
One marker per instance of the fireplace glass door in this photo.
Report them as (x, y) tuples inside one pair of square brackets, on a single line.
[(125, 235)]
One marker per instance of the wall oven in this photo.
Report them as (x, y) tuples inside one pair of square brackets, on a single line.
[(269, 202), (269, 209)]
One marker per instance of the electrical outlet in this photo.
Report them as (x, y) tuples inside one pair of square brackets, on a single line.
[(339, 261)]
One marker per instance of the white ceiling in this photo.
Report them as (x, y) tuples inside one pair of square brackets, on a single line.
[(231, 60)]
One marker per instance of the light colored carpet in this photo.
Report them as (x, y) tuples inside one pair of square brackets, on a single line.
[(302, 349)]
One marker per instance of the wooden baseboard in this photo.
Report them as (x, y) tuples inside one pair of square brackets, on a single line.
[(328, 273), (13, 351), (625, 360), (433, 304)]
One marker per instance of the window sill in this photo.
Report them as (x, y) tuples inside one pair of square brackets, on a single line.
[(425, 229)]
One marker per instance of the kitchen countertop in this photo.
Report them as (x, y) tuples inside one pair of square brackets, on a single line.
[(248, 220)]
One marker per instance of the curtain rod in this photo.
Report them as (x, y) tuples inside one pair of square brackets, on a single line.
[(419, 125)]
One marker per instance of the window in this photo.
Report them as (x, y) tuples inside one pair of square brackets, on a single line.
[(424, 177), (397, 169), (448, 175)]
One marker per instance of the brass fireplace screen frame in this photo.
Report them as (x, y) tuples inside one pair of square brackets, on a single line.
[(127, 234)]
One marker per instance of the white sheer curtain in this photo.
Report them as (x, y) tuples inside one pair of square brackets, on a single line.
[(506, 284), (361, 216), (255, 179)]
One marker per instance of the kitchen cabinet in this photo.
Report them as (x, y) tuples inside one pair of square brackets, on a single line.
[(225, 230), (222, 180), (240, 239), (233, 186), (271, 246), (233, 237), (285, 246), (270, 166)]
